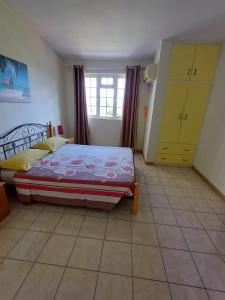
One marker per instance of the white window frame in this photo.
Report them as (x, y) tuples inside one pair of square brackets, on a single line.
[(98, 77)]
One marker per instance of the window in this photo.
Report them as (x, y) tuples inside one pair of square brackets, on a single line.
[(104, 95)]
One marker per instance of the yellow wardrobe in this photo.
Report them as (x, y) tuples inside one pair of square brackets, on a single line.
[(190, 74)]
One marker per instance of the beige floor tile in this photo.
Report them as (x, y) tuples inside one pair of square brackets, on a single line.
[(150, 290), (144, 233), (212, 270), (171, 237), (164, 216), (69, 224), (113, 287), (209, 194), (191, 193), (180, 267), (144, 200), (179, 203), (159, 201), (86, 254), (35, 206), (41, 283), (198, 240), (173, 191), (118, 230), (214, 295), (154, 189), (12, 274), (144, 215), (77, 284), (99, 213), (147, 262), (76, 210), (57, 250), (218, 205), (187, 219), (152, 180), (211, 221), (218, 239), (199, 205), (55, 208), (93, 227), (23, 219), (30, 246), (116, 258), (181, 292), (168, 181), (46, 221), (8, 239)]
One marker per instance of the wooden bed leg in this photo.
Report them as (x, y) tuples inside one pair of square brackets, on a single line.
[(136, 198)]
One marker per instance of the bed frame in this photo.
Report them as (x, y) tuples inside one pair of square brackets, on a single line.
[(25, 136)]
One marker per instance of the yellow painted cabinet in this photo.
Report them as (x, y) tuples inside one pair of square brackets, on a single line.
[(193, 113), (175, 98), (182, 58), (205, 62)]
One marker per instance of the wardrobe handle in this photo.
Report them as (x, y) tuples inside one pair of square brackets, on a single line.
[(195, 71), (185, 116), (188, 72), (180, 116)]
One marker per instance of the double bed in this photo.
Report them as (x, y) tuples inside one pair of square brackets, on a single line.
[(76, 175)]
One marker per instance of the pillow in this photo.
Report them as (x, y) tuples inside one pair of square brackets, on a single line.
[(51, 144), (23, 161)]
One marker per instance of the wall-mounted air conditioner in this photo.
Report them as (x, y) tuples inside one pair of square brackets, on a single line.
[(150, 73)]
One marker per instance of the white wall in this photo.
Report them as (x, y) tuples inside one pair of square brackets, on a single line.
[(105, 132), (210, 154), (156, 100), (18, 41)]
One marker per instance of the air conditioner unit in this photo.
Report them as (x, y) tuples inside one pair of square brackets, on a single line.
[(150, 73)]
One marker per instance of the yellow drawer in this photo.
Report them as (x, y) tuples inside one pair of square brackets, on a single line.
[(174, 159), (176, 148)]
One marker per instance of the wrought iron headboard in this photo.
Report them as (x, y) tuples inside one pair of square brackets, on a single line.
[(21, 138)]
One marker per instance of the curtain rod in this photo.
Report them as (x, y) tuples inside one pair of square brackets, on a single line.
[(103, 68)]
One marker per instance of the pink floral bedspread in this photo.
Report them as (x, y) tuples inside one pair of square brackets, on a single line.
[(82, 162)]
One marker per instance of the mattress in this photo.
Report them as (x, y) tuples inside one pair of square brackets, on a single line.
[(93, 176)]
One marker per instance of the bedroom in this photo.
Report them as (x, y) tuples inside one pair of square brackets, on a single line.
[(172, 246)]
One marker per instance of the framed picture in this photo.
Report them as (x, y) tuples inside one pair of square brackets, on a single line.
[(14, 83)]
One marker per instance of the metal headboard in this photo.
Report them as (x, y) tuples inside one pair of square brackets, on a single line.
[(21, 138)]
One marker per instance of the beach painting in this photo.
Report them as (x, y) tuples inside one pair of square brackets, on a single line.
[(14, 83)]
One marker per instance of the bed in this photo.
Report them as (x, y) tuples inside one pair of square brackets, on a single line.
[(76, 175)]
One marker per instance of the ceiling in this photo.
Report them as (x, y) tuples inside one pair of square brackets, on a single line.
[(118, 29)]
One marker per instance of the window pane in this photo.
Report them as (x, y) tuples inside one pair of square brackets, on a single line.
[(93, 102), (110, 93), (107, 80), (120, 93), (102, 101), (121, 83), (119, 111), (88, 94), (109, 112), (120, 102), (110, 102), (87, 82), (103, 93), (92, 110), (103, 111), (88, 100), (93, 92), (93, 82)]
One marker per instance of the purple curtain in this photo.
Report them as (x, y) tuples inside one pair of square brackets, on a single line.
[(130, 107), (82, 132)]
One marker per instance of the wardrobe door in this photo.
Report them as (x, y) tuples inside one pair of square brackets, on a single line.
[(182, 58), (198, 94), (172, 112), (205, 62)]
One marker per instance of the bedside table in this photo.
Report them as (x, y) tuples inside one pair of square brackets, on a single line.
[(4, 205), (70, 141)]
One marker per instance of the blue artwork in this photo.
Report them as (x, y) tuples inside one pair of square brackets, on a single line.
[(14, 84)]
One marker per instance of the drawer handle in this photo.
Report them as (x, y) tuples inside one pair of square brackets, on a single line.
[(164, 148), (184, 159), (163, 158), (187, 150)]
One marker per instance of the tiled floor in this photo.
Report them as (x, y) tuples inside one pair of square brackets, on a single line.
[(173, 249)]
